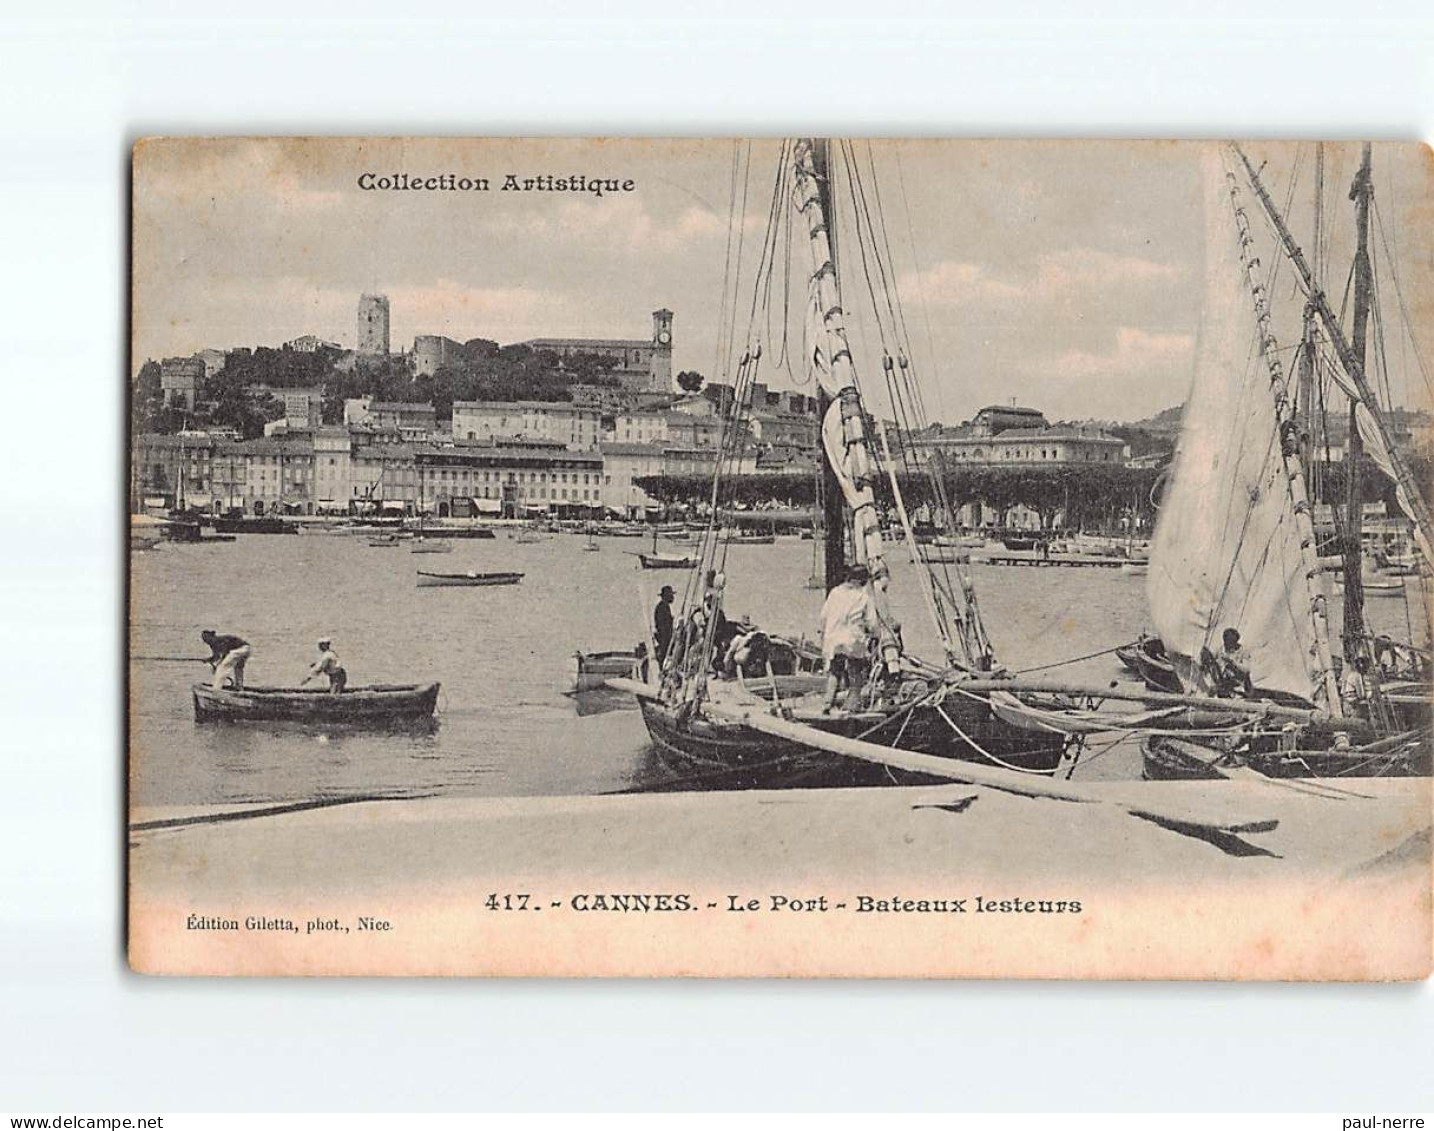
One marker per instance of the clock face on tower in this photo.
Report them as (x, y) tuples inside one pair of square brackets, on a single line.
[(664, 338)]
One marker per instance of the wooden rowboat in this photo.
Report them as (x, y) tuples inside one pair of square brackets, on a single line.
[(666, 561), (423, 546), (427, 579), (379, 705), (596, 668)]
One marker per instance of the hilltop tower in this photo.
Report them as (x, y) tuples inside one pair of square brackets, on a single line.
[(662, 350), (373, 325)]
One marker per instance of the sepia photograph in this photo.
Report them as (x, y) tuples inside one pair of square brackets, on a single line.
[(810, 557)]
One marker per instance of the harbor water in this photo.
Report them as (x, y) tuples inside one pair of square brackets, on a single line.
[(507, 721)]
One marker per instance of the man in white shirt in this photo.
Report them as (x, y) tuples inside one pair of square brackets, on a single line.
[(328, 664), (847, 628)]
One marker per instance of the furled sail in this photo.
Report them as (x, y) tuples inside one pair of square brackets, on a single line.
[(1228, 550), (844, 437)]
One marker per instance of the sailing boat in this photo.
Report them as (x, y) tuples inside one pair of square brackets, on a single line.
[(700, 715), (1235, 548)]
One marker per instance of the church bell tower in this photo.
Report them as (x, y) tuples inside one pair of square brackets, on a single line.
[(662, 350)]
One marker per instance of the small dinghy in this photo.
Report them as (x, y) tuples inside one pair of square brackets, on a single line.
[(378, 705), (425, 546), (596, 668), (427, 579), (666, 561)]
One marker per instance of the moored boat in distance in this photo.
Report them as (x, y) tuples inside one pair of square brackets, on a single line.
[(424, 546), (428, 579), (666, 561), (459, 532), (381, 704), (254, 525)]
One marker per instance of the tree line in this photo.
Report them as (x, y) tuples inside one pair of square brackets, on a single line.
[(483, 371)]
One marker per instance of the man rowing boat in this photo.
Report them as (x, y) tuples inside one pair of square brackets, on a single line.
[(328, 664), (228, 655)]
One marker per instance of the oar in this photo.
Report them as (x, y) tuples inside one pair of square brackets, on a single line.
[(173, 659)]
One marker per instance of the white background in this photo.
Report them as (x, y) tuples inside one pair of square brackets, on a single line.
[(80, 81)]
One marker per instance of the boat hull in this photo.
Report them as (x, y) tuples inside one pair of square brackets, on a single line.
[(657, 561), (359, 706), (428, 580), (1164, 758), (729, 755)]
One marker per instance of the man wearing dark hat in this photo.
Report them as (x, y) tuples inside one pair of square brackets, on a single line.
[(848, 625), (662, 622)]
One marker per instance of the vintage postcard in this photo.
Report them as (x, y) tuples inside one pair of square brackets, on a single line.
[(803, 558)]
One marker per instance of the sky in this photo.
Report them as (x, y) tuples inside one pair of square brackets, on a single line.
[(1068, 276)]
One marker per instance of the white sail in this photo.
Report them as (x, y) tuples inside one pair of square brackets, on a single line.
[(1378, 451), (1228, 550)]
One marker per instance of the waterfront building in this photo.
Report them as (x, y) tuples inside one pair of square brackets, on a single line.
[(163, 465), (279, 475), (622, 464), (1007, 434), (384, 476), (511, 480), (373, 340), (334, 486)]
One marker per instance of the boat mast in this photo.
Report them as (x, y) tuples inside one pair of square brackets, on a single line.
[(1292, 465), (1309, 351), (1354, 448), (833, 514), (1408, 485)]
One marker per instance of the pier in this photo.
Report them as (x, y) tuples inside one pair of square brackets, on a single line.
[(1068, 561)]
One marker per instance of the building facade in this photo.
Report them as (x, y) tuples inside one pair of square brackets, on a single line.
[(181, 379), (577, 427), (511, 481), (310, 343), (1006, 434)]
